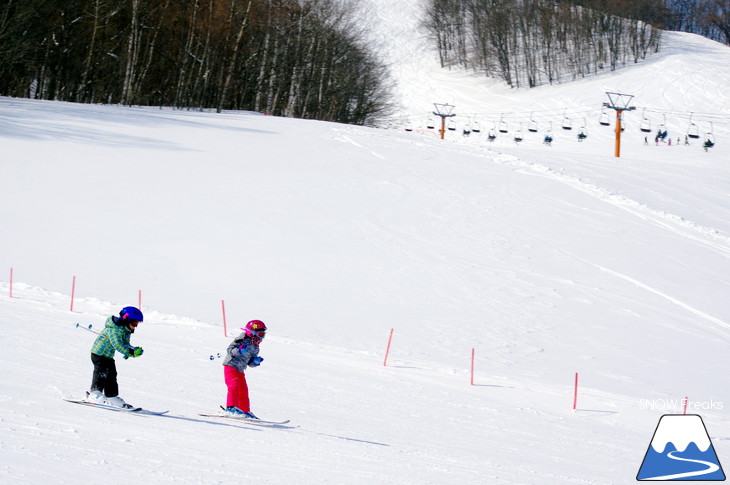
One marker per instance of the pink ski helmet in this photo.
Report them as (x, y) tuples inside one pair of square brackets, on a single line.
[(255, 328)]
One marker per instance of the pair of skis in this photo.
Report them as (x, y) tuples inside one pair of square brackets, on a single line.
[(133, 410), (244, 419)]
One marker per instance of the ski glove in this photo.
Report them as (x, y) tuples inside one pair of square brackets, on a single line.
[(256, 361), (134, 352), (242, 349)]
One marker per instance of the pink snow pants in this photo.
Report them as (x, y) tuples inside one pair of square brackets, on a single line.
[(237, 389)]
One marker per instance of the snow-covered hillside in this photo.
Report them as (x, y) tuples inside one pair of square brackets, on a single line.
[(547, 260)]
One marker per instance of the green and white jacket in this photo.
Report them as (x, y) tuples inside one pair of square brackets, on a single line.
[(113, 338)]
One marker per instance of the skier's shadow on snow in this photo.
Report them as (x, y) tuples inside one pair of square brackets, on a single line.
[(367, 442), (216, 423)]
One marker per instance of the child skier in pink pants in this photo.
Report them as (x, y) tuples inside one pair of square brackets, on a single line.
[(243, 352)]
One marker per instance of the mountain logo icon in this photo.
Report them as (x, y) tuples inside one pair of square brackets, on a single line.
[(680, 450)]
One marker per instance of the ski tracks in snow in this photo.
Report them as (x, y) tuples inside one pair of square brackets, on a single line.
[(648, 288), (704, 235)]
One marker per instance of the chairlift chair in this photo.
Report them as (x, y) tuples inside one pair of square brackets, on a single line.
[(662, 129), (430, 123), (532, 127), (567, 123), (503, 125), (476, 128), (645, 125), (693, 131), (582, 135), (451, 125), (548, 140), (492, 134), (709, 138), (518, 134), (604, 120)]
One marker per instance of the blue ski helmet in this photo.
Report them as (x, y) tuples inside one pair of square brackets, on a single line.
[(131, 313)]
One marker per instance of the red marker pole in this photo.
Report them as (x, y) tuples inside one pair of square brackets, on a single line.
[(575, 393), (225, 327), (139, 299), (684, 411), (73, 292), (472, 366), (387, 349), (11, 282)]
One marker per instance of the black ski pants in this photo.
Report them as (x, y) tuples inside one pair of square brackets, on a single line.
[(105, 375)]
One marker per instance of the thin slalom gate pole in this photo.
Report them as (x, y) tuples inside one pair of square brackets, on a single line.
[(73, 292), (387, 349), (575, 393), (225, 326)]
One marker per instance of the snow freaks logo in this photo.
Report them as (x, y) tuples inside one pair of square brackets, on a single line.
[(680, 404), (680, 450)]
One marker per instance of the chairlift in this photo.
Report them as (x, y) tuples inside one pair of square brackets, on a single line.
[(567, 123), (476, 128), (409, 125), (548, 140), (582, 135), (645, 125), (709, 138), (662, 130), (518, 134), (693, 131), (503, 125), (451, 125), (430, 123), (604, 120), (492, 134), (532, 127)]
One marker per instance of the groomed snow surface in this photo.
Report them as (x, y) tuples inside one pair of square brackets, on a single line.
[(546, 260)]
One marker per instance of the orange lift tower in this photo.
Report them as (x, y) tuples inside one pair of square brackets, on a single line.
[(444, 111), (620, 103)]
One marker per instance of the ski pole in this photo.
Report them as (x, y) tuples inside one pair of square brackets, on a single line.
[(78, 325)]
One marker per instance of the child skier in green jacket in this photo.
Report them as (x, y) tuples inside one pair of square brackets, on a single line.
[(114, 338)]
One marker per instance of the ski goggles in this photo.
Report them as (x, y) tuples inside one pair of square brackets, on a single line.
[(256, 333)]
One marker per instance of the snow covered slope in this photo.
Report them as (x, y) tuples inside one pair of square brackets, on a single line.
[(546, 260)]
